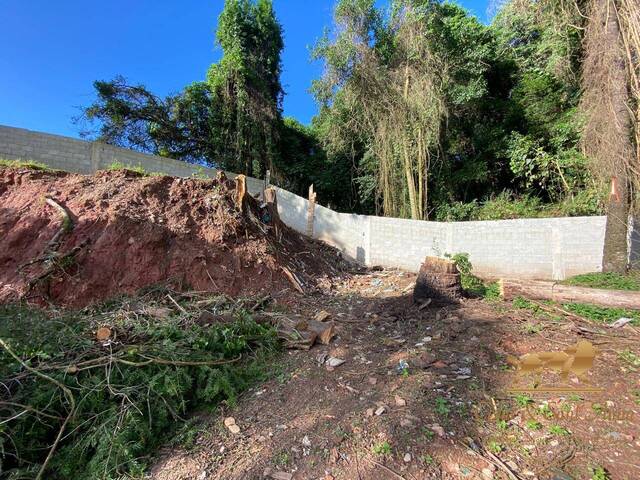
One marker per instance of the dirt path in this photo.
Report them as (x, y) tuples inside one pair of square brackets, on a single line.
[(446, 414)]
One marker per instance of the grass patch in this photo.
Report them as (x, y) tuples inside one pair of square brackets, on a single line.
[(607, 281), (602, 314), (124, 397), (382, 448), (30, 164), (116, 166)]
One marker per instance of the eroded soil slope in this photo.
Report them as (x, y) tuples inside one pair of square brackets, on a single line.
[(131, 231)]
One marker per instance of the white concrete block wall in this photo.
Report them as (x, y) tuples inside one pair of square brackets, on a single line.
[(552, 248)]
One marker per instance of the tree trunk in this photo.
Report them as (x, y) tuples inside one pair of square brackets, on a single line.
[(539, 290), (616, 151)]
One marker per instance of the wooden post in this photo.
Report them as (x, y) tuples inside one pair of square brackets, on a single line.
[(241, 191), (311, 211), (267, 180)]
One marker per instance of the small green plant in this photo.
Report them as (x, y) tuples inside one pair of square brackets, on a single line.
[(442, 406), (532, 328), (428, 459), (494, 446), (599, 473), (630, 357), (534, 425), (282, 459), (382, 448), (558, 430), (502, 425), (596, 407), (574, 398), (428, 433), (545, 411), (470, 283), (523, 400), (522, 303)]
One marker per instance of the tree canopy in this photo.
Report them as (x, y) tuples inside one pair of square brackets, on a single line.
[(423, 111)]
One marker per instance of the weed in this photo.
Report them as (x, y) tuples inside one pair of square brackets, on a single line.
[(630, 357), (534, 425), (523, 304), (502, 425), (602, 314), (470, 283), (427, 433), (494, 446), (532, 328), (558, 430), (139, 169), (596, 407), (545, 411), (599, 473), (30, 164), (428, 459), (523, 400), (607, 280), (442, 407), (382, 448), (574, 398), (282, 459)]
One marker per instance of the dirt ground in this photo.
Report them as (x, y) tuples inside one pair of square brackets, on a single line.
[(130, 231), (445, 413)]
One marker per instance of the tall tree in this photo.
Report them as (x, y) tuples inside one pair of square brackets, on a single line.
[(246, 85)]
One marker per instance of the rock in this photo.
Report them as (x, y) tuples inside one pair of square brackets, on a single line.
[(305, 441), (230, 423), (405, 422), (438, 429), (487, 474), (554, 443), (203, 475), (380, 410), (370, 412), (512, 465), (400, 402), (372, 380), (334, 362), (407, 457)]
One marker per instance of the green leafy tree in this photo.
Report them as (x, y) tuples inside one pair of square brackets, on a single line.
[(246, 86)]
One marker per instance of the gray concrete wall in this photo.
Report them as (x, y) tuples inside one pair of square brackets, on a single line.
[(549, 248)]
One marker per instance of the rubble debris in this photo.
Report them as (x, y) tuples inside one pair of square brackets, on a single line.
[(334, 362)]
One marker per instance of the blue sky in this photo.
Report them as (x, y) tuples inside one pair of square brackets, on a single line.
[(52, 51)]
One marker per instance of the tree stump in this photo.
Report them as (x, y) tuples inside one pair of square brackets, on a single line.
[(438, 280)]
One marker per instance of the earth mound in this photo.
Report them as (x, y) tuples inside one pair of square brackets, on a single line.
[(72, 239)]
